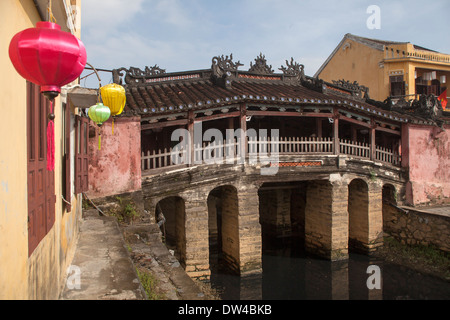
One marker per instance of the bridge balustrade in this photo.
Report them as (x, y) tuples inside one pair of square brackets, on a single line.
[(229, 150)]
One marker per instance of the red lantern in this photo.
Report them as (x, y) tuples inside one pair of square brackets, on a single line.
[(48, 57)]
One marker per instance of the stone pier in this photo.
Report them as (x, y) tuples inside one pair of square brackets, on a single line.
[(326, 219)]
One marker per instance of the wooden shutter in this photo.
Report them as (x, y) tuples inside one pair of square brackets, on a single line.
[(41, 183), (81, 154), (67, 183)]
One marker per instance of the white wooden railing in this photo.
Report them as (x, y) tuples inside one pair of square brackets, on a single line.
[(206, 152), (386, 155), (352, 148)]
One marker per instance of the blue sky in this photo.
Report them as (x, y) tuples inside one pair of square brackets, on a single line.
[(180, 35)]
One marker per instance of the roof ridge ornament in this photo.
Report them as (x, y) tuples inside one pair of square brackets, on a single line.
[(135, 75), (293, 69), (225, 63), (354, 87), (223, 69), (260, 66)]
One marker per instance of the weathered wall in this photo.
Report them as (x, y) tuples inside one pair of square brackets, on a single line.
[(116, 168), (429, 165), (418, 228)]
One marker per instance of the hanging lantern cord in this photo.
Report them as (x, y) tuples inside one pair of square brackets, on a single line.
[(99, 80), (51, 17)]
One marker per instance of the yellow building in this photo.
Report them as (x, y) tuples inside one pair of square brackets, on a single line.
[(387, 68), (40, 210)]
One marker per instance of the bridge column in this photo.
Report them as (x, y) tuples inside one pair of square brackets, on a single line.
[(196, 231), (365, 216), (375, 232), (250, 240), (326, 218)]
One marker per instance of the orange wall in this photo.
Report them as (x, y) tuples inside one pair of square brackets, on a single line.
[(357, 63)]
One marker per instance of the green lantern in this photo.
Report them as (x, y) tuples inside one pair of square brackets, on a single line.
[(99, 113)]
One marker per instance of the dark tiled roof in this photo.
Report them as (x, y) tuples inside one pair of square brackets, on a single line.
[(164, 94)]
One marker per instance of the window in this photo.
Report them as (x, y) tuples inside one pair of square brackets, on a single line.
[(397, 85), (81, 154), (41, 182)]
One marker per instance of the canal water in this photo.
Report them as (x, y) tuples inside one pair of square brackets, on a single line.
[(290, 274)]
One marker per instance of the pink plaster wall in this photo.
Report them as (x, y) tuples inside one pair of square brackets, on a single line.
[(429, 165), (116, 168)]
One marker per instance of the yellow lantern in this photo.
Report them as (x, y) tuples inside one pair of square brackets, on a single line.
[(113, 96)]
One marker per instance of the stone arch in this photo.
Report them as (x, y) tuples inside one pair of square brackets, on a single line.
[(170, 214), (358, 214), (223, 226)]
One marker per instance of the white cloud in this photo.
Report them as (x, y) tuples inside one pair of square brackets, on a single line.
[(109, 14), (172, 12)]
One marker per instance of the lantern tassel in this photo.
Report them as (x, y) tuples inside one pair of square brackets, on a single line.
[(113, 126), (51, 142), (99, 138)]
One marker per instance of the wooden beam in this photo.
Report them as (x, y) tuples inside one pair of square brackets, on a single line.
[(317, 115), (289, 114), (360, 123), (319, 127), (243, 126), (378, 128), (158, 125), (373, 140), (190, 126), (405, 145), (219, 116), (231, 123), (336, 132)]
